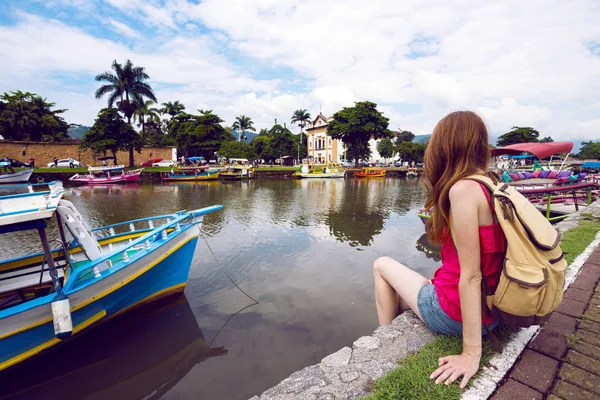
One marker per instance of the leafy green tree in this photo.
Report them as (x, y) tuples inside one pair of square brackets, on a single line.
[(237, 150), (199, 135), (410, 151), (589, 151), (259, 144), (27, 116), (518, 135), (110, 134), (547, 139), (146, 112), (404, 136), (355, 126), (127, 88), (243, 124), (263, 132), (282, 142), (302, 118), (386, 148)]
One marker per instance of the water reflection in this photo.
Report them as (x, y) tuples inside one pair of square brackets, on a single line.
[(303, 248), (142, 354), (431, 250)]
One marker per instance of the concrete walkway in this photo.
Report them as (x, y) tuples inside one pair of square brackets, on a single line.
[(563, 361)]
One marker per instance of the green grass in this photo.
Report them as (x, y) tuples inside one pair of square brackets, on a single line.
[(575, 240), (411, 379), (572, 340)]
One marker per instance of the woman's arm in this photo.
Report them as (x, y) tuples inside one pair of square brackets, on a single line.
[(465, 202)]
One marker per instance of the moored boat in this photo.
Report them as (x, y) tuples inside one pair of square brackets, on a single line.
[(195, 173), (59, 292), (371, 172), (238, 168), (320, 171), (9, 175), (107, 174)]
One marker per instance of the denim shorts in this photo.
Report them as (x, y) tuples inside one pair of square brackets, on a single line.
[(435, 318)]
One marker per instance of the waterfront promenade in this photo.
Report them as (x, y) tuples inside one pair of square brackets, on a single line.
[(563, 361)]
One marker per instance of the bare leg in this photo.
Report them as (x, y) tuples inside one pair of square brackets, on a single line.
[(396, 289)]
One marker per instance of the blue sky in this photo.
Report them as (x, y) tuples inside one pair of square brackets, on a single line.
[(534, 63)]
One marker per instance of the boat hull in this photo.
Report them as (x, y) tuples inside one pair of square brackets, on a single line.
[(157, 274), (361, 175), (127, 177), (300, 175), (19, 176), (203, 176)]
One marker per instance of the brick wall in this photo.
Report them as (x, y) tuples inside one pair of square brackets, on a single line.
[(44, 153)]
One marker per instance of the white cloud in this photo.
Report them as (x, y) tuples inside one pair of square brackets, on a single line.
[(589, 129), (517, 63), (124, 29)]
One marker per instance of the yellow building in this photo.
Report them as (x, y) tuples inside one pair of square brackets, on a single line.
[(322, 148)]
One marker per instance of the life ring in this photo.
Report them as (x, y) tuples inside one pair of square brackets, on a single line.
[(40, 179)]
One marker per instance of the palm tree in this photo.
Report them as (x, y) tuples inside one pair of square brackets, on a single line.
[(127, 88), (302, 118), (146, 111), (243, 123), (172, 108)]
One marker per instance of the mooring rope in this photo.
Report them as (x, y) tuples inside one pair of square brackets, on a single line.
[(221, 266)]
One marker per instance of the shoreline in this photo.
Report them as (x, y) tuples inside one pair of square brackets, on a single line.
[(154, 176)]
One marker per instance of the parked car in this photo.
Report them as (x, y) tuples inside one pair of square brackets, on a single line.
[(64, 162), (347, 164), (150, 162), (163, 163), (16, 163)]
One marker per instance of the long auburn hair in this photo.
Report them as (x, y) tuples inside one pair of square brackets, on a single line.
[(458, 148)]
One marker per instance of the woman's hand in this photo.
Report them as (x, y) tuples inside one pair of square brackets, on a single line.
[(452, 367)]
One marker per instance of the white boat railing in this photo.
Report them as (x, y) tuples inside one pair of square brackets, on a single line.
[(152, 239)]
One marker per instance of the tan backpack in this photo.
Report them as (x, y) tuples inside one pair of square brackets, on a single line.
[(533, 275)]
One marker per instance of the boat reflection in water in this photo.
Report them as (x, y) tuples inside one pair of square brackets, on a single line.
[(431, 250), (141, 354), (89, 190)]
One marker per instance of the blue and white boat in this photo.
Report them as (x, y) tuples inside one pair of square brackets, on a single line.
[(67, 288)]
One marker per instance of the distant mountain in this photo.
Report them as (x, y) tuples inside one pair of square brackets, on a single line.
[(421, 138), (249, 136), (76, 132)]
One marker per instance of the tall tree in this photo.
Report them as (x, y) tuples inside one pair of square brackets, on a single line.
[(302, 118), (110, 134), (518, 134), (199, 135), (404, 136), (127, 88), (146, 112), (589, 151), (27, 116), (243, 124), (409, 151), (237, 150), (172, 108), (385, 148), (355, 126), (547, 139)]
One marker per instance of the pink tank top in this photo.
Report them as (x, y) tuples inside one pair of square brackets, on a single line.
[(493, 247)]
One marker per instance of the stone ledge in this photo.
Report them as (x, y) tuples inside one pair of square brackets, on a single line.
[(349, 372)]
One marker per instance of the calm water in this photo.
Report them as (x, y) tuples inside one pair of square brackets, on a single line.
[(304, 249)]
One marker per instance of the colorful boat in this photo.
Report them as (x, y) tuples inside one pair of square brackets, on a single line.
[(371, 172), (412, 173), (58, 292), (118, 369), (238, 168), (320, 171), (9, 175), (194, 173), (107, 174)]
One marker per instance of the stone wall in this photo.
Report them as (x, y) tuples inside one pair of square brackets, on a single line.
[(44, 152)]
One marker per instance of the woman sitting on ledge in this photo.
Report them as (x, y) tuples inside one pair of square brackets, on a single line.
[(451, 302)]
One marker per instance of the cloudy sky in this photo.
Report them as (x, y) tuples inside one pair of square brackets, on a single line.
[(528, 63)]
